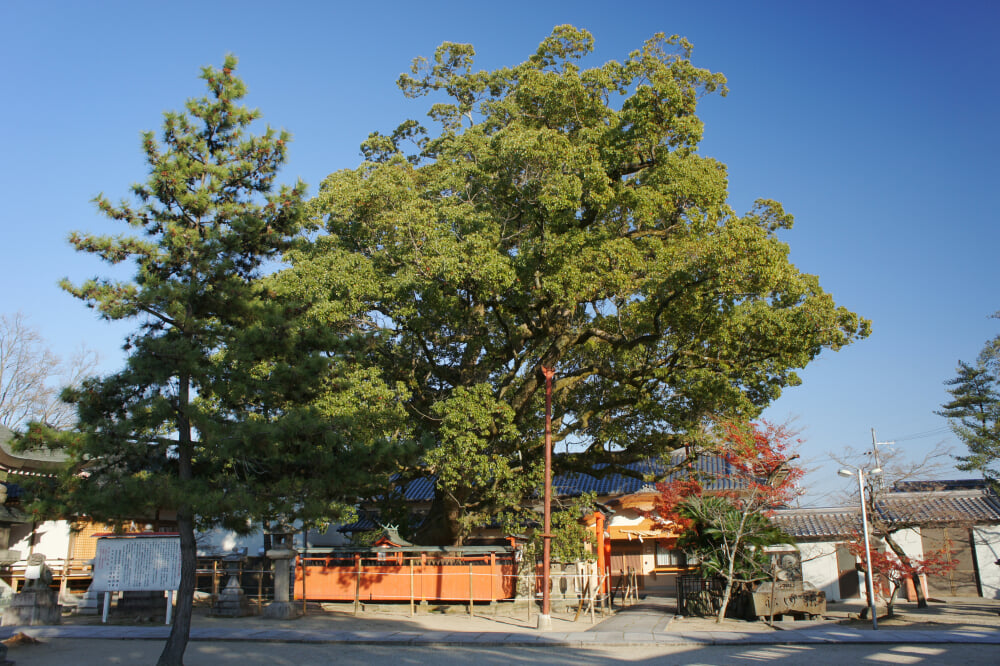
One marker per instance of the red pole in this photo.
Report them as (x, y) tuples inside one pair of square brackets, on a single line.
[(599, 527), (547, 523)]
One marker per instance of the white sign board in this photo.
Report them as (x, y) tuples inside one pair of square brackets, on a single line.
[(137, 563)]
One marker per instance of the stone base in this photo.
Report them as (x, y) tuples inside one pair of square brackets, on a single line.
[(232, 602), (281, 610), (90, 604), (32, 607)]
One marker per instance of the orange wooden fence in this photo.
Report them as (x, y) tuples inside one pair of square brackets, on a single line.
[(402, 576)]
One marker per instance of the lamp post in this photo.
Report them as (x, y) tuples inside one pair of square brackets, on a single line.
[(869, 580), (545, 617)]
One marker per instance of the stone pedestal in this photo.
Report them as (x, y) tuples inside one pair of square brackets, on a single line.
[(32, 607), (90, 604)]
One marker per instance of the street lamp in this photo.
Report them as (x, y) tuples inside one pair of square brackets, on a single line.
[(864, 526), (545, 617)]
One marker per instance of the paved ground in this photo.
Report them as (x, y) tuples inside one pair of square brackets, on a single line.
[(961, 630)]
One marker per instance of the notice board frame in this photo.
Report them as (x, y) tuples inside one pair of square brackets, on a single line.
[(137, 562)]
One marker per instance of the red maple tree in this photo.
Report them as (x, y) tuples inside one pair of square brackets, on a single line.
[(894, 571), (726, 532)]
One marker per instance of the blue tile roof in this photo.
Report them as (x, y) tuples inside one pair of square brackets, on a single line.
[(713, 470)]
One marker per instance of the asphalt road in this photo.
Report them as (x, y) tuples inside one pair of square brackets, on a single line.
[(86, 652)]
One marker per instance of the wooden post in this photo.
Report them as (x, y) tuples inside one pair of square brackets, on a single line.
[(260, 586), (357, 583), (62, 583), (215, 579), (494, 593), (423, 572), (471, 592), (411, 586), (300, 562)]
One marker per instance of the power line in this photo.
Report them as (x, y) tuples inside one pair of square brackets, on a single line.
[(921, 435)]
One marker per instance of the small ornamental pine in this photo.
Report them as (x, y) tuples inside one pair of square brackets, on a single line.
[(192, 421)]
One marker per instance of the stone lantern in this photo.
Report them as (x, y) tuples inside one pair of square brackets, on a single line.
[(282, 553), (232, 602)]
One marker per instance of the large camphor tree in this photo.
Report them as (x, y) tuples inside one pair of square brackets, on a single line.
[(561, 216), (219, 410)]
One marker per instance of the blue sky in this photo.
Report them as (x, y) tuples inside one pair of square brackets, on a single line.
[(874, 123)]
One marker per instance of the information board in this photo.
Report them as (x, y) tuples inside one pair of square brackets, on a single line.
[(141, 563)]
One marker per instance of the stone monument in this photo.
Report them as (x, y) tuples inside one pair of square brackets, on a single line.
[(37, 603), (282, 553), (232, 602)]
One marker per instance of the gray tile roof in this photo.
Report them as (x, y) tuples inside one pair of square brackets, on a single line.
[(947, 506), (927, 508), (826, 523)]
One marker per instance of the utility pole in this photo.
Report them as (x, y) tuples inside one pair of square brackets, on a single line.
[(878, 460)]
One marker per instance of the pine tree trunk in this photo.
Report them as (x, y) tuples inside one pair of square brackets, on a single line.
[(173, 651)]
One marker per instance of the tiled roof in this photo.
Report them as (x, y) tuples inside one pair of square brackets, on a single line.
[(941, 506), (713, 469), (927, 508), (939, 484), (819, 523)]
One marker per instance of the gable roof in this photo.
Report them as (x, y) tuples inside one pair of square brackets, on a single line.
[(34, 461)]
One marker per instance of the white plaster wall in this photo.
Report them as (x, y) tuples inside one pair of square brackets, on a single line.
[(819, 567), (909, 540), (219, 541), (619, 520), (51, 540), (987, 541)]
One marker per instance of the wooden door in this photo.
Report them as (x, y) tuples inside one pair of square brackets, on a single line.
[(961, 581), (847, 569), (624, 557)]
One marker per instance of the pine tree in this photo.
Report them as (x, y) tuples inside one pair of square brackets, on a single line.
[(974, 411), (211, 415)]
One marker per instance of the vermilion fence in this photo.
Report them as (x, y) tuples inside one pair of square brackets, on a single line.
[(401, 575)]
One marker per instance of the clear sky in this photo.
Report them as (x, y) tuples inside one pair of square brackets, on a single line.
[(874, 123)]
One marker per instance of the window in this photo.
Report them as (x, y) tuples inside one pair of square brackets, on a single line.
[(667, 557)]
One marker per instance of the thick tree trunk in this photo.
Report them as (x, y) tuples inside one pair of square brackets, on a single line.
[(442, 526), (173, 651)]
